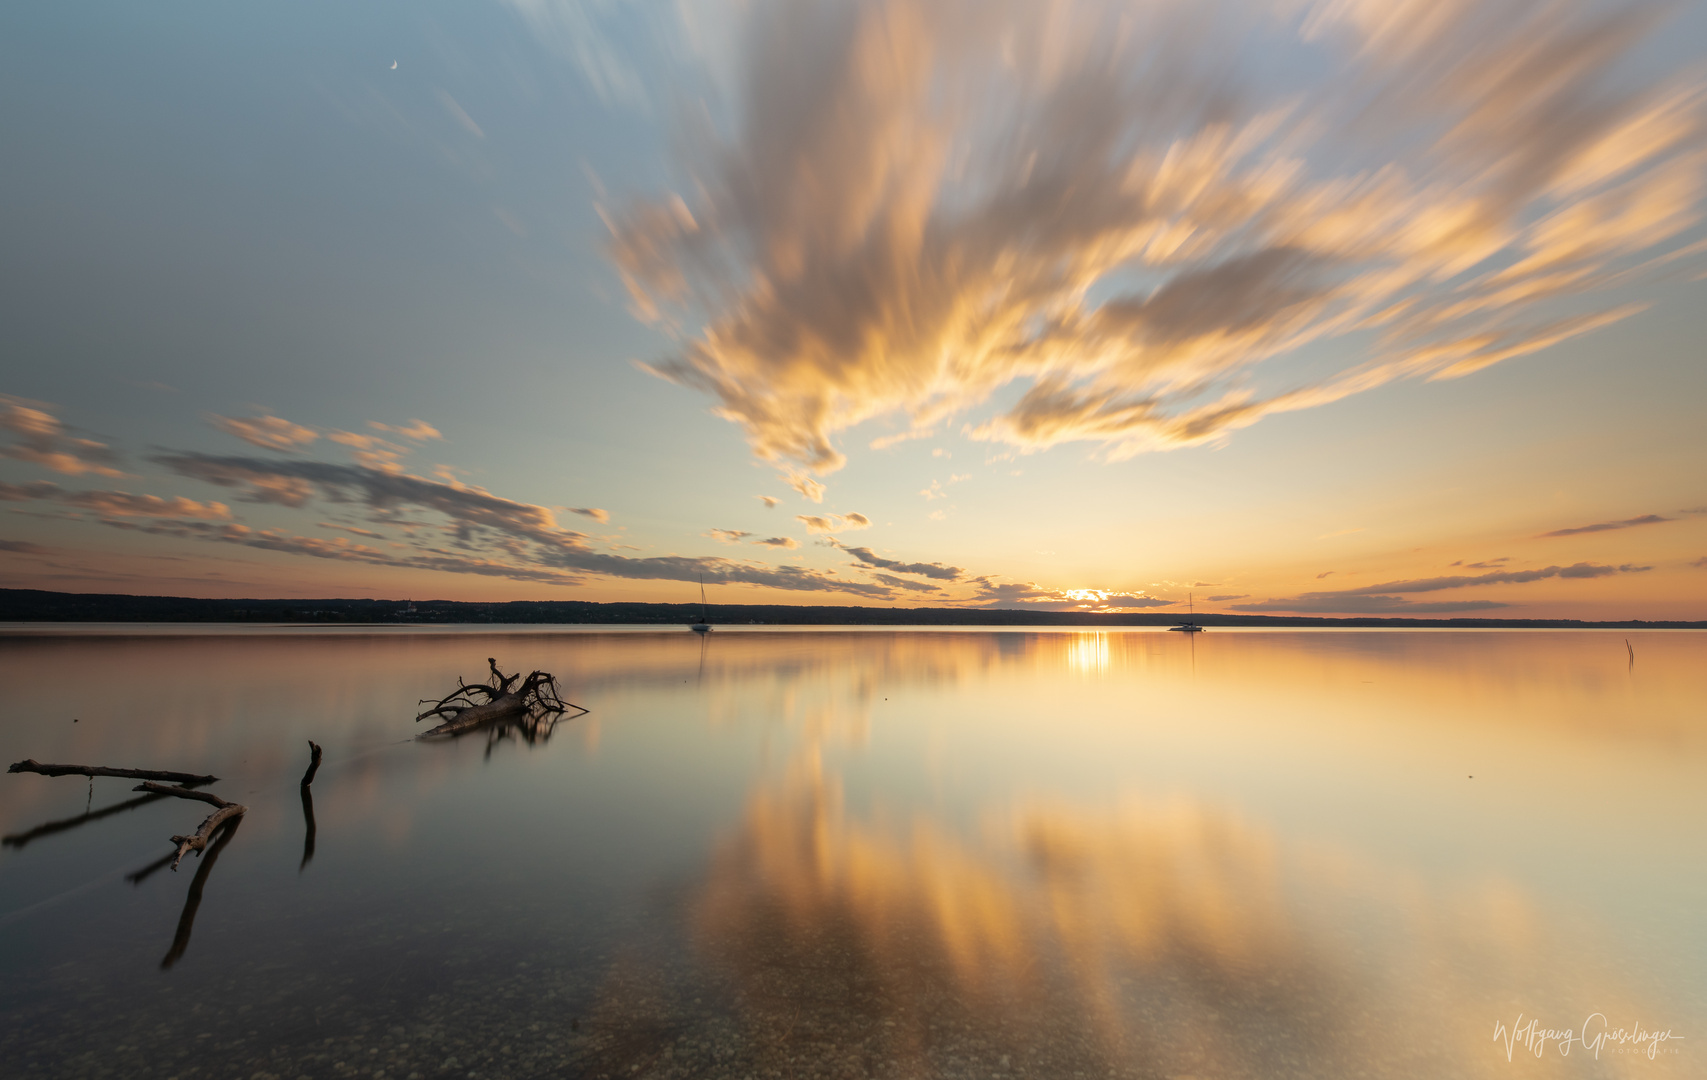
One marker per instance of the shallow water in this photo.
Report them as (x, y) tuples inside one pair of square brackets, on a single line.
[(842, 853)]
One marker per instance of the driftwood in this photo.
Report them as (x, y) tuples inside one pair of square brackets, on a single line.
[(534, 702), (32, 765), (197, 841), (313, 763), (217, 830)]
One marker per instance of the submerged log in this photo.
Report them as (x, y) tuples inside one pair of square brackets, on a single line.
[(536, 699), (197, 841), (32, 765)]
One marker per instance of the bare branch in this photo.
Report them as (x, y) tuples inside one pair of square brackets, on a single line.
[(313, 763), (183, 793), (34, 766), (197, 841)]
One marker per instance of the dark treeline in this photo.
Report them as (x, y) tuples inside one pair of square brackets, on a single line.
[(31, 605)]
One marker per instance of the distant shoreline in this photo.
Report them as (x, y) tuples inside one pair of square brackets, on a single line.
[(39, 606)]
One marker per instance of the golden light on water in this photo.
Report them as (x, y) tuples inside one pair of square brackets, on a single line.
[(1333, 855), (1087, 653)]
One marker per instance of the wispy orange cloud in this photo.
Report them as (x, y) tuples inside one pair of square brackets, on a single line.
[(124, 504), (828, 523), (418, 430), (42, 440), (948, 197), (116, 503), (267, 432)]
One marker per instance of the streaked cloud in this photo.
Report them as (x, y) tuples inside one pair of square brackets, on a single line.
[(829, 523), (42, 440), (23, 547), (124, 504), (600, 516), (1388, 595), (1396, 606), (590, 34), (1228, 596), (39, 489), (371, 450), (479, 525), (1493, 577), (351, 529), (1606, 526), (116, 503), (770, 501), (344, 550), (935, 570), (267, 432), (917, 203), (1134, 600), (903, 583), (993, 592), (417, 430), (456, 112), (728, 536), (787, 543)]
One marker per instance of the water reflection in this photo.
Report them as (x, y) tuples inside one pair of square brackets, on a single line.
[(1149, 938), (1088, 653), (48, 828), (193, 898), (308, 828), (896, 853), (137, 877)]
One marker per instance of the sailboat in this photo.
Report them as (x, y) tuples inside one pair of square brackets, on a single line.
[(703, 626), (1190, 625)]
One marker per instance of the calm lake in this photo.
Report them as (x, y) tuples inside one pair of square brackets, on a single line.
[(817, 853)]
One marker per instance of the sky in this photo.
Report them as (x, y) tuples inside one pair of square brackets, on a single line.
[(1343, 307)]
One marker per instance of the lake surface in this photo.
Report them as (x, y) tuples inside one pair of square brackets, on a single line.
[(817, 853)]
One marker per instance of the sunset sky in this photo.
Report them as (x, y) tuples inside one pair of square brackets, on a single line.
[(1336, 307)]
